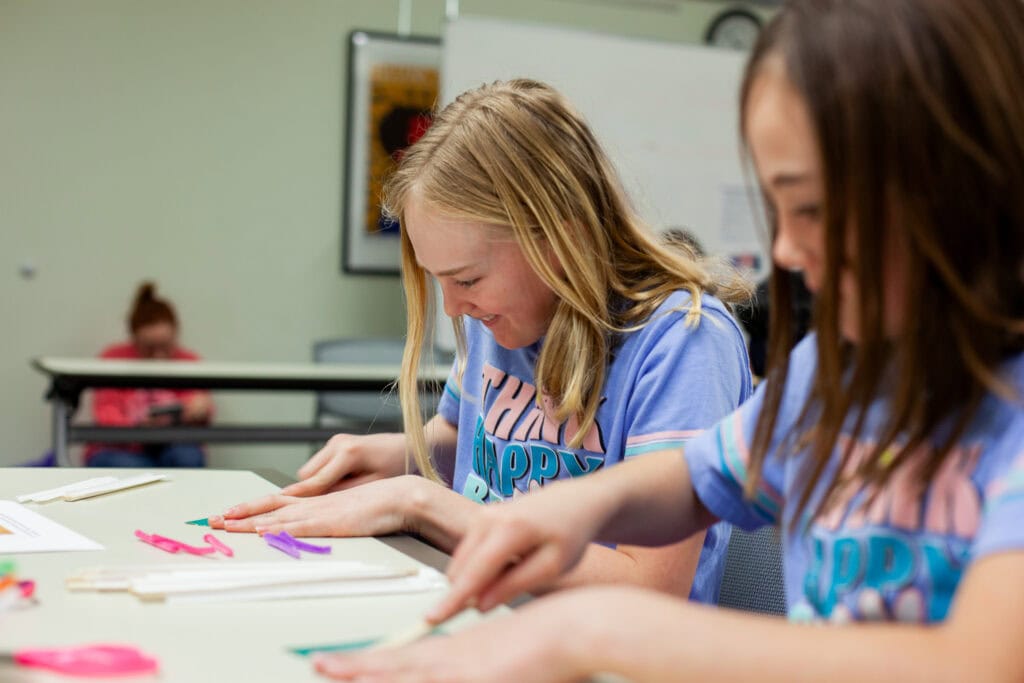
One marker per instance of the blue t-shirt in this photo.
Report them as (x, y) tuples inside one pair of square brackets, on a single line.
[(902, 557), (665, 383)]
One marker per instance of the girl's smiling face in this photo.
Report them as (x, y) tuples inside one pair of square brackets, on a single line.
[(483, 274)]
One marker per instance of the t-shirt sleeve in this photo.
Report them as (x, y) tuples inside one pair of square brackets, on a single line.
[(689, 379), (719, 459), (1001, 527)]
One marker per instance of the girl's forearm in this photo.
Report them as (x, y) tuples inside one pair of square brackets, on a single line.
[(669, 569), (654, 639), (646, 501)]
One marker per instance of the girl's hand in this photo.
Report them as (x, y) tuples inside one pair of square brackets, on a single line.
[(511, 548), (197, 409), (349, 460), (376, 509), (538, 643)]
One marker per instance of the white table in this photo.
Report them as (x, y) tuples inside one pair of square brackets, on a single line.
[(69, 377), (195, 642)]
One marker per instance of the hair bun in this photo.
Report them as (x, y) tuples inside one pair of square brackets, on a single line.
[(145, 292)]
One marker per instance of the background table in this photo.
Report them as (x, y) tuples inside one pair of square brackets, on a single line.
[(69, 377), (195, 642)]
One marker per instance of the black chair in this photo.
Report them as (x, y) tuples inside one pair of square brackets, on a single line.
[(752, 579), (365, 412)]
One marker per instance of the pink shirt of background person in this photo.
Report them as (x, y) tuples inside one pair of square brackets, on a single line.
[(153, 325)]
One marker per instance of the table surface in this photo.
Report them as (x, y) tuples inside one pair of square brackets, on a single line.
[(194, 642), (206, 370)]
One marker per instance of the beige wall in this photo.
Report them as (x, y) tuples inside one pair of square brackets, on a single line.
[(199, 143)]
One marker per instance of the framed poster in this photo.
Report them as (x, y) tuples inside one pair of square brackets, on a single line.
[(393, 84)]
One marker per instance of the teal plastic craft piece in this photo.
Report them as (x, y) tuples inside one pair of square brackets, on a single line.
[(200, 522), (336, 647), (350, 646)]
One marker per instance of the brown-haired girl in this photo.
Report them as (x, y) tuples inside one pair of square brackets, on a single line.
[(888, 138)]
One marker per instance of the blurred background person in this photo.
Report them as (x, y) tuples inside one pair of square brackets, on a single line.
[(153, 327)]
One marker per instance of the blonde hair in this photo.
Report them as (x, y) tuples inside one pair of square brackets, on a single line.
[(517, 154)]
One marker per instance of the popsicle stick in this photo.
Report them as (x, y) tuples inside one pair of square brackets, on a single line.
[(119, 485)]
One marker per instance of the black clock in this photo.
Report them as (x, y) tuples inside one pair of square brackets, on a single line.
[(734, 28)]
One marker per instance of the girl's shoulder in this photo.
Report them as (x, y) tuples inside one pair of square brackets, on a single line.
[(671, 332), (672, 317), (1012, 372), (1000, 418)]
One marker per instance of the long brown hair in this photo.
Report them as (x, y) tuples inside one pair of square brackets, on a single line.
[(919, 118), (518, 156)]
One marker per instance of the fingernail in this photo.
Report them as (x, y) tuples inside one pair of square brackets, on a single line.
[(230, 511), (261, 530), (327, 662), (216, 519)]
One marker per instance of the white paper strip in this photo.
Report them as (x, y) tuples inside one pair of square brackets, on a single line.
[(255, 580), (111, 487), (53, 494), (426, 579)]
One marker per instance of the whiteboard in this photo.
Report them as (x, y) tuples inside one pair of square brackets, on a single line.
[(666, 114)]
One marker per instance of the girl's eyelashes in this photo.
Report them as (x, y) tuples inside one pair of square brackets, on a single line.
[(808, 211), (466, 284)]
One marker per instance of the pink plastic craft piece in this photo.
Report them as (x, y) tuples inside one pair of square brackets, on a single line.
[(172, 546), (89, 660), (194, 550), (167, 547), (219, 545)]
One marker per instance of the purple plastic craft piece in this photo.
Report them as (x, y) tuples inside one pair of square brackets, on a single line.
[(302, 545), (282, 545)]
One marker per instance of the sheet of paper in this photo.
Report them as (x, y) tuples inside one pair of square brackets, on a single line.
[(25, 531)]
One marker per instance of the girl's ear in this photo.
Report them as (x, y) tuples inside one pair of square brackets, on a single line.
[(552, 256), (556, 264)]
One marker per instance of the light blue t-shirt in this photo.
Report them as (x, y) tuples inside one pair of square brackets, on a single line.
[(665, 384), (902, 557)]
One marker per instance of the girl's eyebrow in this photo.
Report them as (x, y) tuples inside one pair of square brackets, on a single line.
[(450, 271), (789, 179)]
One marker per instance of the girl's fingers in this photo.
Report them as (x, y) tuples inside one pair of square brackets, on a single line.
[(467, 552), (313, 465), (303, 489), (334, 666), (255, 507), (478, 569), (238, 526), (247, 516), (319, 482), (540, 568)]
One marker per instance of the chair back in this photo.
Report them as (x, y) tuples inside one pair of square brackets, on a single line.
[(364, 412), (752, 579)]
